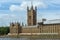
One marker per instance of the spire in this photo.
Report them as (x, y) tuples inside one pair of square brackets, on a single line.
[(27, 8), (31, 5), (22, 24), (35, 8)]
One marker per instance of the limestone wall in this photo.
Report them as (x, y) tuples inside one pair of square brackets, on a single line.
[(30, 30), (42, 28), (50, 28), (47, 28)]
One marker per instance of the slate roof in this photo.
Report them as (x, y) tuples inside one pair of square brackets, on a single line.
[(55, 21)]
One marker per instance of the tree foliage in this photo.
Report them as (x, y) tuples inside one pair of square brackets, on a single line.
[(4, 30)]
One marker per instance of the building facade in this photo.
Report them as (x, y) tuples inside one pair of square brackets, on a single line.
[(16, 28)]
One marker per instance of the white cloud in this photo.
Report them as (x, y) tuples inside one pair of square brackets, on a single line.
[(24, 4), (18, 8), (14, 7), (17, 1), (1, 15), (39, 4), (7, 16), (5, 19)]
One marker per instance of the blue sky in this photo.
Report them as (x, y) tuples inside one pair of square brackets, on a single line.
[(15, 10)]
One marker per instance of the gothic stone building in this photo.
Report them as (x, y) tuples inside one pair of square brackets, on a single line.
[(33, 26)]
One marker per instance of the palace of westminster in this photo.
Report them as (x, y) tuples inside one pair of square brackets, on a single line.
[(33, 26)]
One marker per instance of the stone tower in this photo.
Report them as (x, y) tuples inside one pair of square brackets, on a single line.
[(31, 16), (15, 28)]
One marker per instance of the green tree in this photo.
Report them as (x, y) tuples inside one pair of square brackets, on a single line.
[(4, 30)]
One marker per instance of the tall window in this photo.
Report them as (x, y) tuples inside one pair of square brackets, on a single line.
[(29, 17)]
